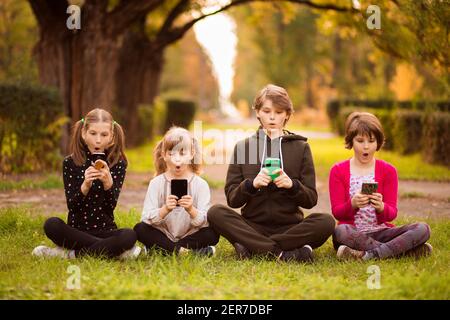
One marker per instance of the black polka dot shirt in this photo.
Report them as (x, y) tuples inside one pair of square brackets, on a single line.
[(95, 211)]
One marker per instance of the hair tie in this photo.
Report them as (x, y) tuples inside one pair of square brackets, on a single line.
[(114, 123), (82, 120)]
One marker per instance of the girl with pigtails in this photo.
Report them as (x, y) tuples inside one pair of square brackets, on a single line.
[(92, 187)]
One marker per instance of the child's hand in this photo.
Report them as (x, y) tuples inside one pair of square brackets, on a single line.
[(283, 180), (360, 200), (171, 202), (90, 175), (262, 179), (376, 199), (105, 176), (187, 203)]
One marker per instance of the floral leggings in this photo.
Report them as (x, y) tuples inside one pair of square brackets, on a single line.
[(383, 243)]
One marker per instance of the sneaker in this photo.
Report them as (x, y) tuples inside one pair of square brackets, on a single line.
[(182, 251), (208, 251), (57, 252), (303, 254), (347, 253), (205, 251), (131, 254), (241, 251), (423, 250)]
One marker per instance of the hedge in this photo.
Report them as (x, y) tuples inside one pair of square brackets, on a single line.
[(410, 131), (387, 121), (179, 113), (436, 138), (407, 131), (334, 106), (31, 120)]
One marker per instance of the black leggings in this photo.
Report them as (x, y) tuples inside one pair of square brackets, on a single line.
[(109, 243), (152, 237)]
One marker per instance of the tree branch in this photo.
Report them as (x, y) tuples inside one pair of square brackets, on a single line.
[(50, 14), (177, 33), (128, 11), (327, 6), (173, 14)]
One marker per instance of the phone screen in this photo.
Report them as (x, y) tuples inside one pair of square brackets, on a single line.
[(99, 156), (272, 164), (178, 187), (369, 187)]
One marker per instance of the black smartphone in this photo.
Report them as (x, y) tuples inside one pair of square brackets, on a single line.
[(98, 156), (369, 187), (179, 187)]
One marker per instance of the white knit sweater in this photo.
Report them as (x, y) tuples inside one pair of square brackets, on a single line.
[(178, 223)]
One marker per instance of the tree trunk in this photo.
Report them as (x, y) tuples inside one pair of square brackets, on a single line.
[(94, 63), (337, 60), (52, 53), (81, 64), (95, 67), (137, 81), (310, 96)]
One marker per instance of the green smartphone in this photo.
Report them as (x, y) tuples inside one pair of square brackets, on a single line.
[(272, 164)]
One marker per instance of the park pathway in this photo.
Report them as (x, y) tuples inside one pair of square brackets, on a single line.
[(418, 199)]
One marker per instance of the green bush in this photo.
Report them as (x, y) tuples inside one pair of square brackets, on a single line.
[(150, 116), (179, 113), (339, 122), (159, 116), (31, 120), (334, 107), (436, 137), (407, 131), (334, 112), (386, 118)]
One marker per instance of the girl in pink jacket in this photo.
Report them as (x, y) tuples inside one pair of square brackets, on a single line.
[(364, 230)]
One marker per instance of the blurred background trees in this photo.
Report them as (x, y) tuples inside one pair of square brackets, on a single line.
[(308, 51), (131, 57)]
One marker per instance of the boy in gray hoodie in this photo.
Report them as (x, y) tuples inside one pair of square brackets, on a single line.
[(271, 221)]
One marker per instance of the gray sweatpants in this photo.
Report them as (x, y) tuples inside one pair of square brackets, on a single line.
[(314, 230), (385, 242)]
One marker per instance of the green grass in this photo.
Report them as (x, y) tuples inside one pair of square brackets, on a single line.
[(140, 159), (214, 184), (221, 277), (412, 195), (50, 181)]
